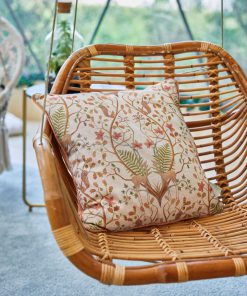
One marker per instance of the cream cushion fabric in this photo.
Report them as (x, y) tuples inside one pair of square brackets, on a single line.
[(132, 157)]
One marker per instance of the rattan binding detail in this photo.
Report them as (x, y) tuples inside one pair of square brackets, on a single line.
[(163, 244), (167, 47), (239, 266), (204, 46), (239, 208), (119, 275), (183, 273), (112, 274), (129, 50), (93, 51), (68, 240), (103, 243), (204, 232)]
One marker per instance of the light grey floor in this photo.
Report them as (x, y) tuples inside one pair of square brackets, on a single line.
[(32, 264)]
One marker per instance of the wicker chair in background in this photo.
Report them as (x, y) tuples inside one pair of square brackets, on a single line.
[(11, 65), (213, 95)]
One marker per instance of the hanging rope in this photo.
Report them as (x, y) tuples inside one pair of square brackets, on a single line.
[(222, 23), (185, 21), (48, 71), (103, 13), (74, 26)]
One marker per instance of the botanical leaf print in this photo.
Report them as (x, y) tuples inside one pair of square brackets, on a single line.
[(215, 208), (132, 158), (59, 120), (134, 162), (163, 158)]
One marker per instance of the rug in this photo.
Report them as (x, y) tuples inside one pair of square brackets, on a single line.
[(32, 264)]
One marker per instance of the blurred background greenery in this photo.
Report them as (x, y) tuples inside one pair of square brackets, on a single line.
[(134, 22)]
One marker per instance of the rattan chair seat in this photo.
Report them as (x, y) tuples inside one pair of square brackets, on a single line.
[(213, 94)]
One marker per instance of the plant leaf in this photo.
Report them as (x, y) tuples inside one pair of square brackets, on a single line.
[(134, 162), (163, 158), (58, 119)]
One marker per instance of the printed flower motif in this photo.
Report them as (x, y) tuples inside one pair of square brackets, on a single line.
[(116, 208), (170, 127), (158, 130), (138, 222), (116, 135), (149, 143), (99, 135), (96, 206), (138, 117), (137, 145), (166, 87), (201, 186), (109, 200)]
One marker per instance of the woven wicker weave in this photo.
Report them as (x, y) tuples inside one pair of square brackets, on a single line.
[(216, 246)]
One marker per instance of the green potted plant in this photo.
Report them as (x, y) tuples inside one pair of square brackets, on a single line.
[(62, 45), (62, 48)]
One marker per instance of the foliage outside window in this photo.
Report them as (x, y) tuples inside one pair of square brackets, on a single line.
[(63, 46)]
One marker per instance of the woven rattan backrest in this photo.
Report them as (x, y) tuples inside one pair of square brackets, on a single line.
[(213, 96)]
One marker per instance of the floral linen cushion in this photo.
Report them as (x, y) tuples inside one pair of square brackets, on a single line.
[(132, 157)]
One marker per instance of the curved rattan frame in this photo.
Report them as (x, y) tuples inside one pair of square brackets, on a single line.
[(224, 253)]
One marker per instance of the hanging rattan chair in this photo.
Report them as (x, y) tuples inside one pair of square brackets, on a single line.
[(210, 79)]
